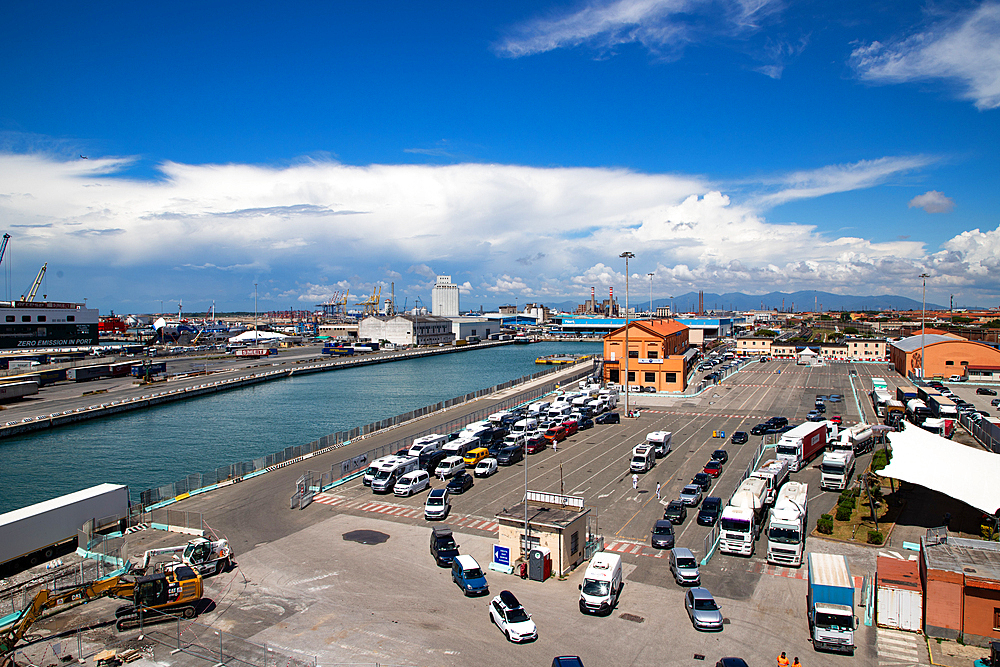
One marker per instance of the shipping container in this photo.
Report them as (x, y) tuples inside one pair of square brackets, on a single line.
[(900, 596), (251, 352)]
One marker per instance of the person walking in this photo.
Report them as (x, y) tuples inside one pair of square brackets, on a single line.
[(635, 481), (796, 662), (782, 660), (555, 446), (657, 490)]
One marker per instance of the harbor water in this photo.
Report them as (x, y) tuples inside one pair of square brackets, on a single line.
[(147, 448)]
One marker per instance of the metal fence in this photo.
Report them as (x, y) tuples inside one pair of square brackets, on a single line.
[(289, 454), (18, 595), (987, 433), (312, 482), (218, 647)]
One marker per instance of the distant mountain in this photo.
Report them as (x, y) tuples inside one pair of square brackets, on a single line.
[(803, 301)]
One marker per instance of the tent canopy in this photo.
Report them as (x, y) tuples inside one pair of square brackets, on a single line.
[(958, 471), (253, 335)]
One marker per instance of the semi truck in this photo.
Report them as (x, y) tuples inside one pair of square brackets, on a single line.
[(903, 394), (774, 473), (880, 401), (801, 444), (151, 599), (11, 391), (895, 411), (830, 603), (741, 519), (786, 532), (942, 407), (40, 532), (85, 373), (836, 470), (917, 411), (859, 439), (938, 426)]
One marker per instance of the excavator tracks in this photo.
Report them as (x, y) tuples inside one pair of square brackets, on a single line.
[(128, 617)]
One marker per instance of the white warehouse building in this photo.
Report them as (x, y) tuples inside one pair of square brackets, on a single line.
[(407, 329)]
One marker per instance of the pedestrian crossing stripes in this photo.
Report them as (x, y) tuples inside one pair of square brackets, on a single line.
[(897, 648), (390, 509)]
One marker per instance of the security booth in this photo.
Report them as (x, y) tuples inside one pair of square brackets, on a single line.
[(557, 532)]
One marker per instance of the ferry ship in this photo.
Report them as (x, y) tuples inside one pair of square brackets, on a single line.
[(39, 324)]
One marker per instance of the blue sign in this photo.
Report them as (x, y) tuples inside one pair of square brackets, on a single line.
[(501, 555)]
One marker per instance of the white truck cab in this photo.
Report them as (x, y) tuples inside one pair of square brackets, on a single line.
[(602, 584)]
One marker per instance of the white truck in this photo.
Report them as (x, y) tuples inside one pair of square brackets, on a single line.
[(830, 603), (660, 442), (741, 519), (643, 458), (389, 471), (774, 472), (801, 444), (202, 554), (859, 439), (602, 584), (836, 470), (786, 532)]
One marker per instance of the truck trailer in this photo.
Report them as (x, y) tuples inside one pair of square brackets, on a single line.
[(774, 473), (786, 533), (836, 470), (830, 603), (801, 444), (859, 439), (741, 519), (39, 532)]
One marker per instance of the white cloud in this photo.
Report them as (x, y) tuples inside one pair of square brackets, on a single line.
[(964, 49), (664, 27), (933, 201), (501, 230)]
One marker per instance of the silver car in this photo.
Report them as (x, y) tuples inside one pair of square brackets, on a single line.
[(702, 609), (691, 495), (684, 567)]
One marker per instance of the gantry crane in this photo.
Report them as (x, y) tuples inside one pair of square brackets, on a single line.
[(35, 285), (370, 305)]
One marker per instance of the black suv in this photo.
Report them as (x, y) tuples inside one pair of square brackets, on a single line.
[(777, 422), (675, 512), (443, 546), (711, 508), (429, 460), (510, 455)]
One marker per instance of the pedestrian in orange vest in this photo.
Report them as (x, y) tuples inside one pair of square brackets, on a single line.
[(782, 660), (796, 663)]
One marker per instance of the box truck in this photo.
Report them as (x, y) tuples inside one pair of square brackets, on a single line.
[(801, 444), (830, 603), (786, 533)]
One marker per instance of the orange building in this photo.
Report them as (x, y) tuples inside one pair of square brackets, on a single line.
[(961, 582), (944, 356), (658, 355)]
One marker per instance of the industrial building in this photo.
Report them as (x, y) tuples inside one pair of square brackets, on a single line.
[(961, 583), (659, 355), (407, 329), (444, 298), (943, 356)]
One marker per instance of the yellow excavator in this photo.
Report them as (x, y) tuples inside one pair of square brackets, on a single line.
[(151, 598)]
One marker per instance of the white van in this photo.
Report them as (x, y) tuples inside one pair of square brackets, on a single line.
[(524, 427), (391, 470), (427, 443), (602, 584), (477, 427), (449, 467), (660, 441), (412, 482), (372, 469), (643, 458), (513, 441), (538, 407), (597, 405)]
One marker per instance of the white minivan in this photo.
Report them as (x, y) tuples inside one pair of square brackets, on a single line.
[(412, 482), (449, 467)]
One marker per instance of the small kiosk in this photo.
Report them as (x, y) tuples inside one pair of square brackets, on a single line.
[(557, 534)]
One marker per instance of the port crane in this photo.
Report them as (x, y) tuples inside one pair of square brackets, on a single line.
[(335, 306), (35, 285), (166, 594), (370, 305)]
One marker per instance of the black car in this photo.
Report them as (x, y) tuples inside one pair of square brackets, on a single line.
[(777, 422), (662, 535), (711, 508), (508, 456), (986, 391), (675, 512), (429, 460), (443, 546), (740, 438), (703, 479), (820, 407), (731, 662), (585, 423), (460, 483), (760, 429), (495, 448), (609, 418), (720, 455)]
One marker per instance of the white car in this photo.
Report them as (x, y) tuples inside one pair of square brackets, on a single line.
[(412, 482), (486, 467), (508, 615)]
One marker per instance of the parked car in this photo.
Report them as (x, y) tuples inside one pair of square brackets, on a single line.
[(571, 426), (986, 391), (508, 456), (486, 467), (609, 418), (567, 661), (820, 407), (684, 567), (702, 609), (412, 482), (429, 460), (438, 504), (760, 429), (720, 455), (711, 509), (443, 546), (995, 402), (777, 422), (739, 438), (556, 433), (956, 378), (675, 512), (690, 495), (704, 480), (508, 615), (460, 483), (713, 468), (586, 423), (662, 534), (536, 445), (836, 419), (732, 662)]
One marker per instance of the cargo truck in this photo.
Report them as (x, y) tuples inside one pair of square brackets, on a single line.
[(942, 407), (801, 444), (11, 391), (786, 533), (774, 473), (943, 427), (895, 411), (836, 470), (39, 532), (903, 394), (917, 411), (880, 401), (84, 373), (859, 439), (741, 519), (830, 603)]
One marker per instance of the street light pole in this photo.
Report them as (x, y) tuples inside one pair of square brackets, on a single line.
[(256, 335), (650, 295), (923, 323), (627, 256)]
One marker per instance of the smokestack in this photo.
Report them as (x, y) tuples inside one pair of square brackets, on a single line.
[(611, 301), (593, 300)]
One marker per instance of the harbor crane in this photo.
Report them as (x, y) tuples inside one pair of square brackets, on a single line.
[(370, 305), (335, 306), (35, 285), (3, 246)]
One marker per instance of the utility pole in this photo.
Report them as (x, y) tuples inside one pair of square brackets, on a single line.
[(627, 256), (650, 295), (923, 324)]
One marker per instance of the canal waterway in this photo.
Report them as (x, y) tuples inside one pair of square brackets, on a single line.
[(147, 448)]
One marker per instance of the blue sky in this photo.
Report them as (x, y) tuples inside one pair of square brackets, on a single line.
[(732, 145)]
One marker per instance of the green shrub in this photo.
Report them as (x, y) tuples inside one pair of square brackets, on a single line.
[(880, 459), (825, 524), (844, 513), (875, 537), (847, 502)]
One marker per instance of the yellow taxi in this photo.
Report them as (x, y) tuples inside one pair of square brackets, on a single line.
[(476, 455)]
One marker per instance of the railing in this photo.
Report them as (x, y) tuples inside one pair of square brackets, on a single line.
[(986, 433)]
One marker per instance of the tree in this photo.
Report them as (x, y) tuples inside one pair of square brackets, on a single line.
[(845, 317), (851, 330)]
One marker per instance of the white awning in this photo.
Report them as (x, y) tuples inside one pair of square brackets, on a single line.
[(254, 336), (961, 472)]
